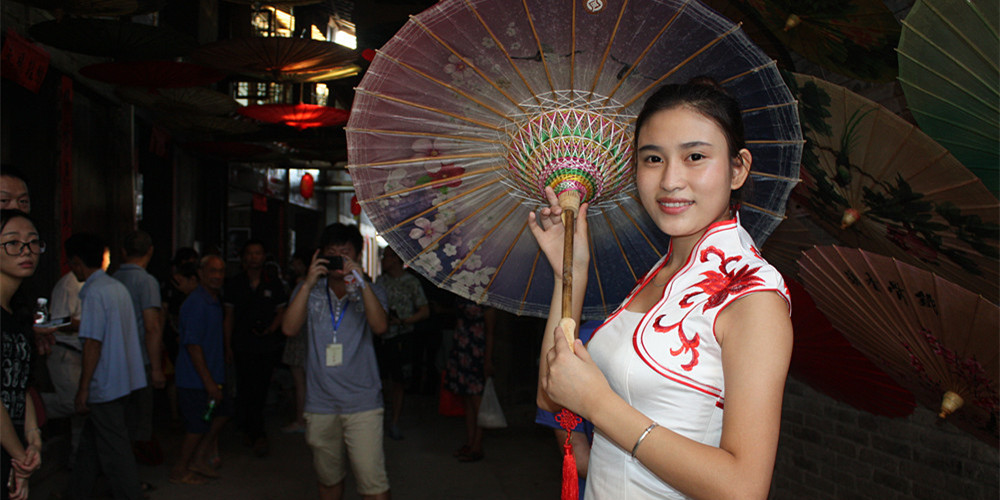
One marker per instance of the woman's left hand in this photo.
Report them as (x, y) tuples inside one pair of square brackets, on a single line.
[(573, 380)]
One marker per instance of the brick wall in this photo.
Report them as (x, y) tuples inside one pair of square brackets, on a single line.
[(830, 450)]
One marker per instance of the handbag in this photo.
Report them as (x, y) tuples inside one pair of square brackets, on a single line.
[(490, 413)]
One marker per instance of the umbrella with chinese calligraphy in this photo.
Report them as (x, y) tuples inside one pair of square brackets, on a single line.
[(932, 336), (475, 106)]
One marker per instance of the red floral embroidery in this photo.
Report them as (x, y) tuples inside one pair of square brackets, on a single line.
[(719, 285), (687, 344)]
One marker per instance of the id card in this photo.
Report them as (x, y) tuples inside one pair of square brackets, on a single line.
[(334, 354)]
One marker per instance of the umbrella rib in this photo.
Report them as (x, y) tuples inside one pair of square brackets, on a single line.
[(572, 47), (960, 33), (424, 158), (421, 134), (531, 277), (445, 85), (642, 55), (776, 141), (774, 176), (771, 106), (488, 233), (463, 221), (766, 211), (432, 184), (538, 42), (636, 224), (504, 260), (607, 48), (618, 243), (506, 54), (986, 121), (964, 90), (436, 207), (465, 61), (679, 66), (429, 108), (960, 125)]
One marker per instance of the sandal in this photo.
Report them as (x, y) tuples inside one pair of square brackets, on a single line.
[(188, 478), (215, 462), (146, 487), (464, 450)]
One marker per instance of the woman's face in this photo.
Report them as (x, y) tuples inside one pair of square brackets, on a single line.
[(21, 261), (684, 174)]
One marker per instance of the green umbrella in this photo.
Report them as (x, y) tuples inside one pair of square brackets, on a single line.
[(948, 68)]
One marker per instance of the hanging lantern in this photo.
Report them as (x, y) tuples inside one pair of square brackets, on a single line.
[(306, 186), (355, 206)]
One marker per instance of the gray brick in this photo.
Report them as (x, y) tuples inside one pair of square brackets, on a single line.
[(842, 447), (892, 481), (984, 454), (868, 422), (806, 433), (854, 433), (879, 459), (943, 462), (898, 449), (857, 468)]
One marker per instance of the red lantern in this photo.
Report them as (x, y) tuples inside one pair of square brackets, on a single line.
[(355, 206), (307, 185)]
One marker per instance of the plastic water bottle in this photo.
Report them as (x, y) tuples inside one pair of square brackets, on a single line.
[(42, 311)]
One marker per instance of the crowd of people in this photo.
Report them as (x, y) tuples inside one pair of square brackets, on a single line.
[(696, 419)]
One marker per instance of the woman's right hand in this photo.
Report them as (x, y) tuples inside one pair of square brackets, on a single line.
[(549, 231)]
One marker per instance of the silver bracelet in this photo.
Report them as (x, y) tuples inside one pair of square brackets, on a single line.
[(643, 436)]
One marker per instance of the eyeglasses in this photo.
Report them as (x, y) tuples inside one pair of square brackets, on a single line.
[(34, 246)]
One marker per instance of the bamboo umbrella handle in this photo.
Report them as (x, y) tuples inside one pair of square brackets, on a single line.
[(570, 203)]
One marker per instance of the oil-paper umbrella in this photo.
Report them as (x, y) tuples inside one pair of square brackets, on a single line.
[(949, 71), (474, 107), (875, 181), (932, 336)]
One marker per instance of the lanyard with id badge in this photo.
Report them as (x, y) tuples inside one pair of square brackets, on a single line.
[(335, 351)]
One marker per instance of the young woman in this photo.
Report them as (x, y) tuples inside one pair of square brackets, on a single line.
[(684, 382), (22, 439)]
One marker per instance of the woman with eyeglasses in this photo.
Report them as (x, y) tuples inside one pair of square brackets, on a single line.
[(21, 249)]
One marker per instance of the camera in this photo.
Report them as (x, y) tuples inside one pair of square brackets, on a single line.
[(336, 262)]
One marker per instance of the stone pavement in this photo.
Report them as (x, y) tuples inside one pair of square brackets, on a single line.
[(522, 462)]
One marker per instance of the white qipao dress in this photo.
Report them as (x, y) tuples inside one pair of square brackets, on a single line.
[(667, 363)]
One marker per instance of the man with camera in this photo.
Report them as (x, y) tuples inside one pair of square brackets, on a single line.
[(343, 310)]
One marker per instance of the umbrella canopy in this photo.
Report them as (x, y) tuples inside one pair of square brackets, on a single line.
[(932, 336), (475, 106), (300, 116), (824, 359), (112, 38), (856, 38), (152, 74), (276, 58), (875, 181), (195, 100), (949, 71)]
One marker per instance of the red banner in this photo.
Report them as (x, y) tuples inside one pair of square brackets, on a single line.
[(23, 62)]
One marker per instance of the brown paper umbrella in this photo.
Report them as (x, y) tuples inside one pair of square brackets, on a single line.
[(824, 359), (856, 38), (276, 58), (874, 181), (935, 338)]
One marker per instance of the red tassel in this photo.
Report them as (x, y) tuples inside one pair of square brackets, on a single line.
[(570, 481)]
